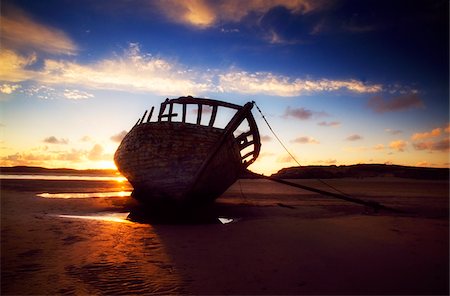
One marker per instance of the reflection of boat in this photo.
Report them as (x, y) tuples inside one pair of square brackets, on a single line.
[(177, 161)]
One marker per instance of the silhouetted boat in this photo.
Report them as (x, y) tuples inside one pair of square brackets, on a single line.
[(173, 160)]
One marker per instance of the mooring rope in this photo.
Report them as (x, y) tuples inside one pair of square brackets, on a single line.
[(290, 154)]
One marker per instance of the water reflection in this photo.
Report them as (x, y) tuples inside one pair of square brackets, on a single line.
[(119, 179), (109, 217), (85, 194)]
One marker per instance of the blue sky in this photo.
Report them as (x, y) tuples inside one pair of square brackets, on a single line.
[(342, 82)]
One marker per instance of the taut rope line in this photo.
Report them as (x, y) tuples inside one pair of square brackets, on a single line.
[(290, 154)]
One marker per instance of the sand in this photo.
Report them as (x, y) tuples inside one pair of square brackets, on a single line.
[(281, 240)]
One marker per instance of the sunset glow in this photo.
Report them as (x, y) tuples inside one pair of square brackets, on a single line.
[(341, 82)]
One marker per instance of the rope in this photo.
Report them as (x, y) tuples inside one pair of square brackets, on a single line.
[(290, 154)]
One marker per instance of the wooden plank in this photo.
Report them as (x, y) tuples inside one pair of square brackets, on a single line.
[(143, 117), (184, 113), (150, 114), (199, 114), (213, 115)]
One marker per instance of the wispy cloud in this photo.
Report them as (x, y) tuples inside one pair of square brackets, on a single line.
[(74, 94), (329, 123), (137, 71), (379, 147), (400, 103), (20, 31), (271, 84), (298, 113), (54, 140), (266, 138), (354, 137), (305, 140), (393, 131)]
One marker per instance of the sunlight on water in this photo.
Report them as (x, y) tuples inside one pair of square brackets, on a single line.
[(108, 217), (119, 179), (85, 195), (225, 220)]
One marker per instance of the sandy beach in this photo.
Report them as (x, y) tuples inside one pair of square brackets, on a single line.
[(275, 240)]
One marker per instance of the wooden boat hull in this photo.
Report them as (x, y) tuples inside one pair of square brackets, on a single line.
[(161, 159), (180, 162)]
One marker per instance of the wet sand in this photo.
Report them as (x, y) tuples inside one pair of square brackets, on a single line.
[(281, 240)]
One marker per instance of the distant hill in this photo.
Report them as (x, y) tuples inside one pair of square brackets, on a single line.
[(60, 171), (362, 171)]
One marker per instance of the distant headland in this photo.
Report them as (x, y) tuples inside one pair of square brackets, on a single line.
[(303, 172), (362, 171)]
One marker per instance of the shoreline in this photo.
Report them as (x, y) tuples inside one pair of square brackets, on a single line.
[(280, 241)]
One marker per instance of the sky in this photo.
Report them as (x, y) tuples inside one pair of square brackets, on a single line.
[(340, 81)]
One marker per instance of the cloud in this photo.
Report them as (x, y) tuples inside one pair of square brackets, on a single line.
[(54, 140), (132, 71), (266, 138), (86, 139), (204, 13), (77, 94), (25, 159), (400, 103), (426, 135), (329, 124), (398, 145), (13, 66), (20, 31), (441, 145), (96, 153), (8, 89), (271, 84), (305, 140), (379, 147), (137, 71), (119, 137), (299, 113), (284, 159), (354, 137), (72, 155), (393, 131)]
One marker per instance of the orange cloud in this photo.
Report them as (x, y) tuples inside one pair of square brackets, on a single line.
[(8, 89), (20, 31), (439, 145), (426, 135), (204, 13), (398, 145), (13, 66)]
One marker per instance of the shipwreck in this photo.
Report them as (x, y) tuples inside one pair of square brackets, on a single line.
[(170, 159)]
